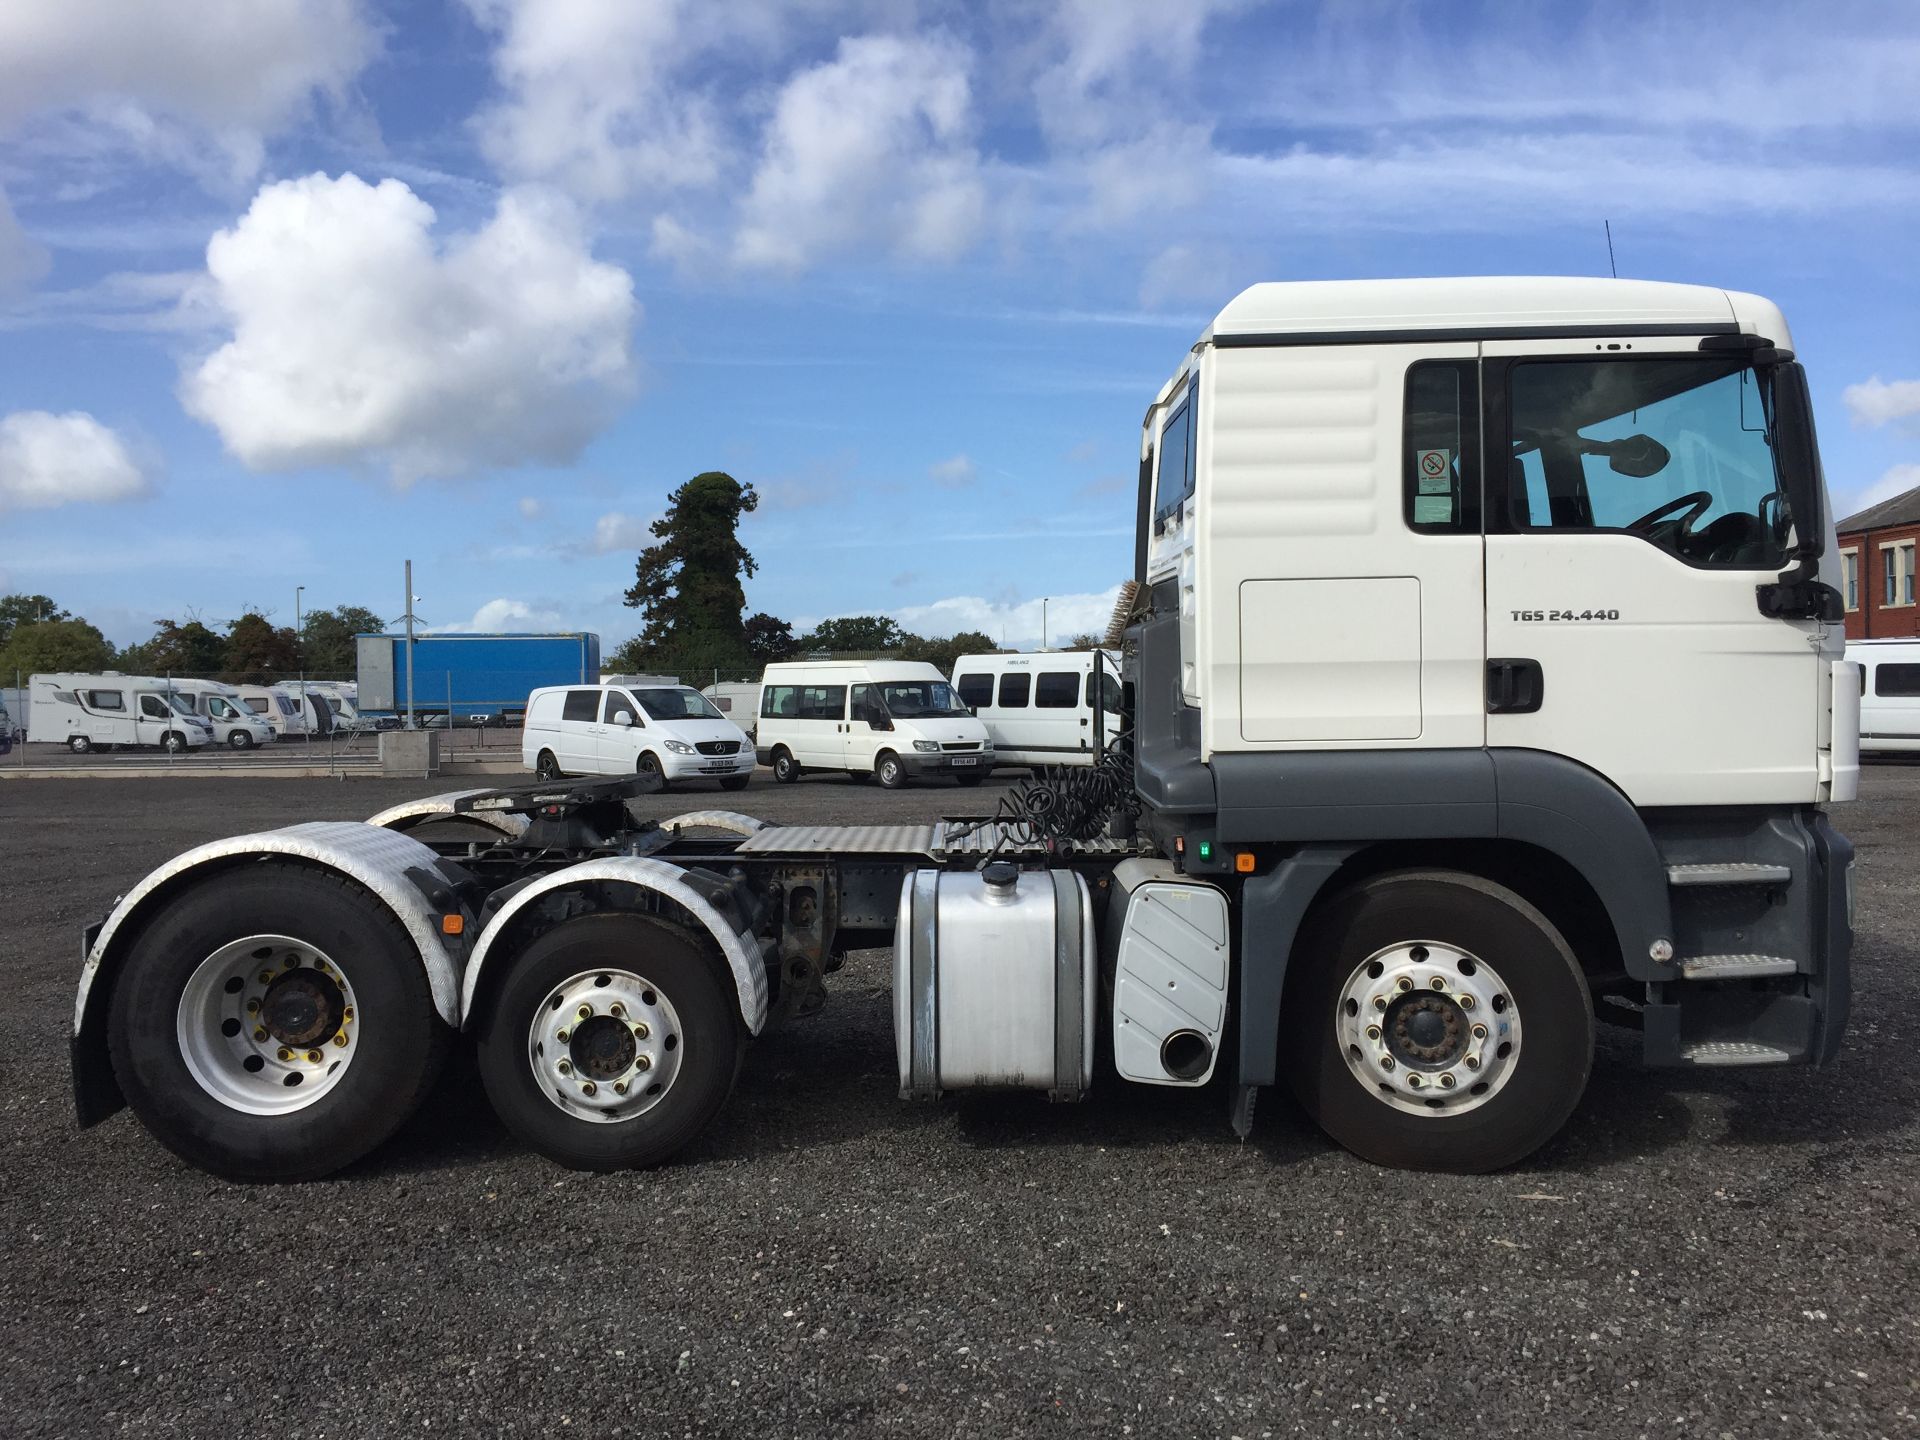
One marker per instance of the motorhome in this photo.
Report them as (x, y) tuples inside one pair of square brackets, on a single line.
[(1050, 708), (234, 724), (1889, 694), (739, 701), (279, 708), (669, 731), (90, 712), (895, 720)]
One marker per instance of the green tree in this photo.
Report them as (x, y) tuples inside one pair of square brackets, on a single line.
[(176, 649), (258, 654), (854, 633), (688, 585), (769, 639), (22, 609), (326, 640), (42, 646), (943, 652)]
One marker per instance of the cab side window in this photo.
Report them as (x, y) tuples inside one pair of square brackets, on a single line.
[(152, 707), (1440, 450), (1177, 455), (618, 704)]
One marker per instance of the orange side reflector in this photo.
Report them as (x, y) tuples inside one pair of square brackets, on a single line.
[(457, 924), (1243, 862)]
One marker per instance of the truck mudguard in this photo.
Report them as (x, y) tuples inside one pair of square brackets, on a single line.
[(440, 807), (653, 876)]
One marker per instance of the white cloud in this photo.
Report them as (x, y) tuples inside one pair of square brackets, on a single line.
[(22, 261), (1874, 402), (171, 78), (359, 338), (509, 615), (49, 460), (617, 531), (952, 474), (869, 150), (530, 508), (1018, 621), (1187, 274), (1896, 481)]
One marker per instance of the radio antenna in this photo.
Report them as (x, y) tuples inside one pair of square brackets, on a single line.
[(1610, 265)]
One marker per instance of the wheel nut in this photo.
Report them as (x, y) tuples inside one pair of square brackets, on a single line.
[(643, 1062), (285, 1053), (348, 1012), (1404, 985), (584, 1011), (1473, 1062), (1413, 1082), (563, 1035), (589, 1088), (1466, 1002), (619, 1087), (1379, 1002), (566, 1067), (619, 1012), (1479, 1032), (1386, 1062), (1373, 1032), (313, 1057), (641, 1030), (340, 1039), (253, 1007), (1446, 1082), (266, 977), (259, 1032), (1439, 982)]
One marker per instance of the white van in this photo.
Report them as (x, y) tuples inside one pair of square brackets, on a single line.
[(669, 730), (85, 711), (222, 708), (738, 700), (891, 719), (1889, 694), (1040, 709), (279, 709)]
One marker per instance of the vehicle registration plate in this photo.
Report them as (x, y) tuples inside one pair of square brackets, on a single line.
[(965, 759)]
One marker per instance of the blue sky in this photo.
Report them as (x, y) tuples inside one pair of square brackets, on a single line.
[(293, 290)]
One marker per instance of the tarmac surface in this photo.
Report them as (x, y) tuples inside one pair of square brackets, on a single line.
[(1714, 1254)]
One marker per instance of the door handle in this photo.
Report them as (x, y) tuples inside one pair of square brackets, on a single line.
[(1514, 687)]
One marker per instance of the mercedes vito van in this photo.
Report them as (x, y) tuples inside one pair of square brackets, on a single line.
[(891, 719), (671, 731), (1053, 708)]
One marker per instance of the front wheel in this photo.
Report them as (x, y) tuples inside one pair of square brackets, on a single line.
[(649, 765), (888, 771), (173, 742), (735, 782), (970, 778), (611, 1043), (274, 1023), (240, 740), (1436, 1021)]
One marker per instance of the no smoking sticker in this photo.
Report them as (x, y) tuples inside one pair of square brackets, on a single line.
[(1435, 468)]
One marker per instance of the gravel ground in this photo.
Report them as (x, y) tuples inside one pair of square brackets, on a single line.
[(1728, 1254)]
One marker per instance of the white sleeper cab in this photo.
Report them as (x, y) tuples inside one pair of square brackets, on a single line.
[(1483, 682), (894, 720), (672, 731), (1053, 708), (88, 712), (1889, 694)]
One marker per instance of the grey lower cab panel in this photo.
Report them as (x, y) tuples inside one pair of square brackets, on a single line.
[(942, 840), (1735, 1052)]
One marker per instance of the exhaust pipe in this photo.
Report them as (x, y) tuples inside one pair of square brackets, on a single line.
[(1186, 1054)]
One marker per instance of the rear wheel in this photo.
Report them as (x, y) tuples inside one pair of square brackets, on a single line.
[(888, 770), (274, 1023), (612, 1042), (1436, 1021), (547, 767), (79, 744), (786, 769)]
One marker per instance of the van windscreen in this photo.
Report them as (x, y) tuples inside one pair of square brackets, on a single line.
[(676, 705), (920, 699)]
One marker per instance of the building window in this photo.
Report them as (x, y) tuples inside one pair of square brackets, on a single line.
[(1850, 578), (1896, 570)]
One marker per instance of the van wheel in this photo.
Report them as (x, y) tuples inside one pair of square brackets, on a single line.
[(888, 771), (240, 740), (735, 782), (173, 742), (546, 767), (786, 769), (971, 779), (649, 764), (79, 744), (1436, 1021)]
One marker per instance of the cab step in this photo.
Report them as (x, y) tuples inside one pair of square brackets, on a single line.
[(1728, 874), (1737, 967), (1734, 1052)]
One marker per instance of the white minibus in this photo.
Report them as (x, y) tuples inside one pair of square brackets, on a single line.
[(1041, 709), (891, 719), (1889, 694)]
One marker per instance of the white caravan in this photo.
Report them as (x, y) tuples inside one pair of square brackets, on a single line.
[(85, 712), (891, 719), (1041, 709), (1889, 694), (738, 700), (283, 711), (233, 724), (672, 731)]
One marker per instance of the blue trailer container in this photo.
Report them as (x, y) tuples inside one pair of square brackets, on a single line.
[(471, 677)]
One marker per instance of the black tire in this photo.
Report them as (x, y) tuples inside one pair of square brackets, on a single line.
[(173, 742), (402, 1040), (649, 764), (970, 778), (1547, 987), (79, 744), (735, 782), (786, 769), (547, 767), (240, 740), (712, 1041), (888, 772)]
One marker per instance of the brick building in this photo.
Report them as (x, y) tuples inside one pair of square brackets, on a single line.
[(1876, 567)]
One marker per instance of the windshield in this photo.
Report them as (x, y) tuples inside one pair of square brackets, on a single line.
[(679, 704), (920, 699), (181, 704)]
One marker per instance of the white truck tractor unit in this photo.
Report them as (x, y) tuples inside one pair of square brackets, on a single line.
[(1482, 682)]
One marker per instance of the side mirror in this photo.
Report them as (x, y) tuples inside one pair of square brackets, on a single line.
[(623, 718), (1637, 456)]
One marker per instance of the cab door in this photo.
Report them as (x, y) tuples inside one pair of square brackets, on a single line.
[(1634, 506), (617, 745), (154, 720)]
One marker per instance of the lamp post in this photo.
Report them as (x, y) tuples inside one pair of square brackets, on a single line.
[(298, 591), (1043, 620)]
